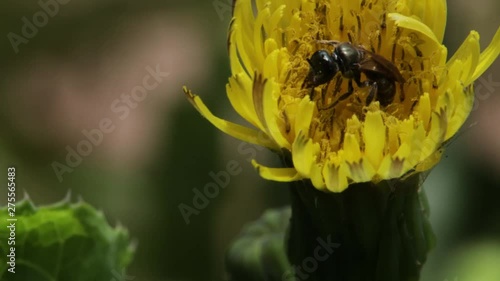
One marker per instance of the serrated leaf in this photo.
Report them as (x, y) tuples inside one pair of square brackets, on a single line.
[(62, 242)]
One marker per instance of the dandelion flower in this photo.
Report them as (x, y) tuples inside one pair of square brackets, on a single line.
[(333, 142)]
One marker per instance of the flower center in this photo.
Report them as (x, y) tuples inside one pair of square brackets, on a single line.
[(383, 47)]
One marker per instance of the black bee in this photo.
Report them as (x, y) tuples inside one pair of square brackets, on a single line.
[(351, 61)]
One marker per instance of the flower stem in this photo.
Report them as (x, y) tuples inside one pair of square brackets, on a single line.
[(381, 231)]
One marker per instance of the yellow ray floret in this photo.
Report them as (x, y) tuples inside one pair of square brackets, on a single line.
[(235, 130)]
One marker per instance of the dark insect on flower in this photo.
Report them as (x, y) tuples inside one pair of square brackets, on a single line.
[(352, 61)]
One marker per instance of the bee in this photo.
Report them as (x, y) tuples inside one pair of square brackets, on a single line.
[(351, 61)]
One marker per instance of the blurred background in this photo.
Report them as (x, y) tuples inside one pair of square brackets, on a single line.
[(79, 65)]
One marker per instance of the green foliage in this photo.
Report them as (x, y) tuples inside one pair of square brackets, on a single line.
[(64, 242), (477, 261), (258, 253)]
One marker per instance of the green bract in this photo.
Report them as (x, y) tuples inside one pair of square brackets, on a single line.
[(62, 242)]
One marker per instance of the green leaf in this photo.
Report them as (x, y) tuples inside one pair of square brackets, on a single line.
[(64, 242), (258, 253)]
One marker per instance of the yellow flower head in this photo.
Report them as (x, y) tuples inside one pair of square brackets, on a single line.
[(335, 138)]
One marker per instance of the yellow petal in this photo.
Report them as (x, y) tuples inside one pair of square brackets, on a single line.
[(243, 34), (361, 171), (235, 130), (435, 135), (335, 177), (384, 171), (351, 148), (273, 25), (304, 153), (403, 151), (432, 13), (488, 56), (265, 98), (429, 162), (305, 114), (464, 62), (413, 24), (270, 46), (271, 113), (392, 135), (433, 142), (239, 92), (397, 168), (234, 60), (424, 110), (277, 174), (461, 111), (262, 17), (317, 177), (275, 62), (374, 134), (416, 147), (424, 38)]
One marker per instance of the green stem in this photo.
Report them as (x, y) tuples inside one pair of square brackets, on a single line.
[(381, 232)]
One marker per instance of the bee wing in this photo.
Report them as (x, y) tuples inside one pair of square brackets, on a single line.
[(377, 63)]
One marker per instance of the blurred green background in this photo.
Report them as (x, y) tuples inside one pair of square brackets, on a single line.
[(66, 77)]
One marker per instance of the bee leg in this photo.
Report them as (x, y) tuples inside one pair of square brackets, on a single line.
[(312, 93), (368, 83), (373, 91), (338, 84), (350, 90), (308, 82)]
